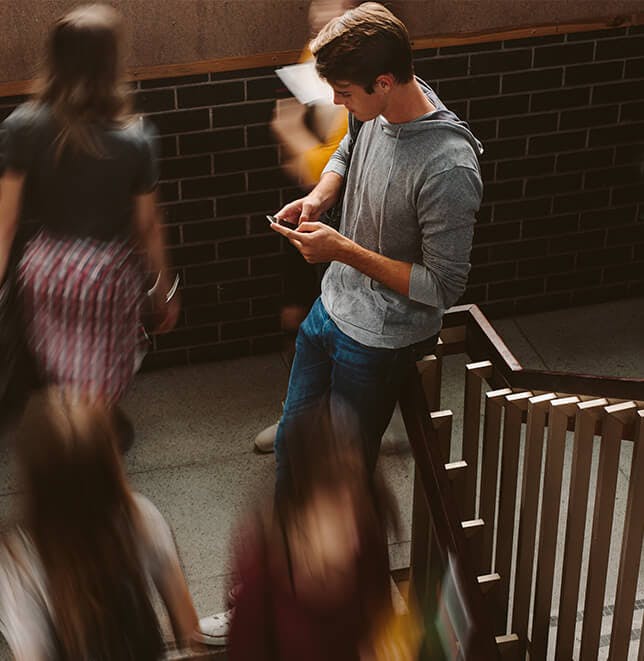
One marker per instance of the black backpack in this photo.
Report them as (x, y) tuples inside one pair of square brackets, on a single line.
[(333, 216)]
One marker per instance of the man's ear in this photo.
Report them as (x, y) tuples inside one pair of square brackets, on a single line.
[(384, 82)]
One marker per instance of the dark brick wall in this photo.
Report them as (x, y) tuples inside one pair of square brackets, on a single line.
[(562, 122)]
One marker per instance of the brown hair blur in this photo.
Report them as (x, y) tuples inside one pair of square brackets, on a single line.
[(362, 44), (80, 514), (325, 452), (83, 81)]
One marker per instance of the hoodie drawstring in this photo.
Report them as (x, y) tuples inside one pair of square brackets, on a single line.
[(384, 192)]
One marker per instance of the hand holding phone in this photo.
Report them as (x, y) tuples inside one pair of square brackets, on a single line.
[(282, 222)]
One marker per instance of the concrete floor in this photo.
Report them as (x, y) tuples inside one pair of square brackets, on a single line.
[(193, 454)]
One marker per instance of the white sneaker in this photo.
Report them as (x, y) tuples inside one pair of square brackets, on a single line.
[(213, 630), (265, 440)]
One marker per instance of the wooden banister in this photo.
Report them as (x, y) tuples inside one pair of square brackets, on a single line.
[(482, 342), (524, 435), (446, 528)]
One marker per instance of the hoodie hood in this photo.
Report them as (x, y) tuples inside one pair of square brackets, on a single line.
[(441, 116)]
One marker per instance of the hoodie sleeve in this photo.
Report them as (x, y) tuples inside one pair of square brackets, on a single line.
[(447, 204)]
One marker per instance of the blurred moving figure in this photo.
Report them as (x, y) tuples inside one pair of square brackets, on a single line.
[(309, 135), (314, 577), (75, 573), (85, 170)]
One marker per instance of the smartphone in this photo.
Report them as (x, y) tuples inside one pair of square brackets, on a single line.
[(280, 221)]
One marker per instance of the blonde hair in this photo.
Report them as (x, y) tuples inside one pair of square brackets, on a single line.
[(362, 44)]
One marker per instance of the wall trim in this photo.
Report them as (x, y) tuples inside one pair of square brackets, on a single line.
[(259, 60)]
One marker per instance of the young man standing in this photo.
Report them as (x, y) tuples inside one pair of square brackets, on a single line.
[(412, 187)]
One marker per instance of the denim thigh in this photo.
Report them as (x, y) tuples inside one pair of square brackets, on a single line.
[(309, 380), (363, 381)]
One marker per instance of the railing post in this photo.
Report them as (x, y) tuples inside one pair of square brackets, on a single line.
[(429, 370), (494, 401), (516, 406), (588, 414), (475, 373), (561, 410), (631, 551), (618, 416), (536, 425)]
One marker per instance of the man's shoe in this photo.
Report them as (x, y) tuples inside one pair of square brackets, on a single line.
[(265, 440), (213, 630)]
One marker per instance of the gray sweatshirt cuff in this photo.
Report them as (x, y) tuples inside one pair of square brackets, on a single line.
[(423, 288)]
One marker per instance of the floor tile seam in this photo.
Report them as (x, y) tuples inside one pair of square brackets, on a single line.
[(200, 463)]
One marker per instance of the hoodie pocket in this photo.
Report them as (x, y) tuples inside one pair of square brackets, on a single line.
[(397, 310), (354, 301)]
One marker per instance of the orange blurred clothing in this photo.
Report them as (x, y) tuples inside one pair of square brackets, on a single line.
[(314, 160)]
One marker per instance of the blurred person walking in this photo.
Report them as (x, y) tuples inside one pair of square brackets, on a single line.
[(76, 571), (314, 573), (83, 169)]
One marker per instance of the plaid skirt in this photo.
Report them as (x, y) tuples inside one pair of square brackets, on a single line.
[(81, 302)]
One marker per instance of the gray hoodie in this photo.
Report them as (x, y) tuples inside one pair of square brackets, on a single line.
[(412, 192)]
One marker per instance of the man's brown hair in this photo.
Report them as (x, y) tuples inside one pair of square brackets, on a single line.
[(362, 44)]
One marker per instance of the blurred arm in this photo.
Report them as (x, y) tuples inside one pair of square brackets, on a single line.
[(151, 236), (162, 561), (175, 595), (11, 185)]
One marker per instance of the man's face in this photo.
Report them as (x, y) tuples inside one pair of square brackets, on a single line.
[(353, 97)]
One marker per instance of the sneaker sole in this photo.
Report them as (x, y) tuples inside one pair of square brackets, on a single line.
[(212, 641), (260, 450)]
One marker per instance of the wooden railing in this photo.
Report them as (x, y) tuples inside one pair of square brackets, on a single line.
[(511, 520)]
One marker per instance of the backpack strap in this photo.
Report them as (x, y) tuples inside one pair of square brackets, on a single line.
[(333, 216), (354, 129)]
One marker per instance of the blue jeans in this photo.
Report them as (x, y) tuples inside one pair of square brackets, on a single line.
[(329, 363)]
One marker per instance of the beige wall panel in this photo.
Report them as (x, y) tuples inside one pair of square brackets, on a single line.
[(168, 32)]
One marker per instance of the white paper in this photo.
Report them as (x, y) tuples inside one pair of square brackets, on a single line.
[(305, 85)]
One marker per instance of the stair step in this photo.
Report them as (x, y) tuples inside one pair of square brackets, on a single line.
[(488, 581), (456, 469), (508, 645), (472, 526)]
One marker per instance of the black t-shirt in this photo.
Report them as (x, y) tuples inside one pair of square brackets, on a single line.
[(80, 194)]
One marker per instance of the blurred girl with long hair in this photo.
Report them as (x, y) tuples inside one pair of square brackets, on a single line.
[(76, 572), (82, 169), (312, 577)]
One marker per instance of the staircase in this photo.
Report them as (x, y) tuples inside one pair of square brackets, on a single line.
[(501, 540)]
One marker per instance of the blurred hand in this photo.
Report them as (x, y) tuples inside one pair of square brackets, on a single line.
[(167, 312), (289, 110), (317, 242)]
